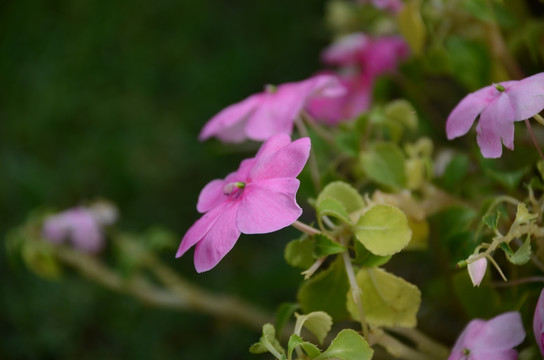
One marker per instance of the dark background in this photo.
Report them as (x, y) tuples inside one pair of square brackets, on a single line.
[(106, 99)]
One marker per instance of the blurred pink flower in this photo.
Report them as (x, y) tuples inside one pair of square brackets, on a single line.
[(538, 323), (257, 198), (476, 270), (271, 112), (492, 339), (375, 56), (78, 226), (499, 106), (392, 6), (356, 100)]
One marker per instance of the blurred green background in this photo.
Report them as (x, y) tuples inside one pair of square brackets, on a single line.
[(106, 99)]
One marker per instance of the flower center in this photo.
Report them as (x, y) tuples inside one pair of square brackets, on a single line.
[(233, 187), (270, 89), (499, 87), (466, 353)]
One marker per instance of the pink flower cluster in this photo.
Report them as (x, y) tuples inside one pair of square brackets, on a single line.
[(81, 226), (361, 59), (257, 198), (499, 106)]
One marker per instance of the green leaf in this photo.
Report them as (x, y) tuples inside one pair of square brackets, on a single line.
[(331, 207), (363, 257), (299, 252), (284, 313), (348, 345), (480, 302), (318, 323), (310, 349), (383, 230), (402, 112), (325, 291), (343, 193), (455, 171), (523, 216), (509, 179), (522, 254), (324, 246), (384, 163), (387, 299), (267, 342), (411, 25), (492, 220), (470, 61)]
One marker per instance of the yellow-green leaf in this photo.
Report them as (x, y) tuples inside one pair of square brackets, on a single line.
[(411, 25), (387, 299), (383, 230), (343, 193), (348, 345), (318, 323)]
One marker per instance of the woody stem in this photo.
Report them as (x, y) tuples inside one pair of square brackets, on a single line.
[(533, 138)]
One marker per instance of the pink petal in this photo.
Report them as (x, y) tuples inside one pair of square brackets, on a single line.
[(228, 124), (538, 322), (284, 163), (463, 115), (55, 228), (85, 232), (277, 112), (268, 205), (384, 54), (346, 50), (219, 240), (495, 355), (200, 228), (211, 196), (502, 332), (476, 271), (272, 145), (527, 97), (494, 126), (467, 338), (323, 85)]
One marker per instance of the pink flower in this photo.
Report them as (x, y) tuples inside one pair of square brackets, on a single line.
[(375, 56), (538, 323), (271, 112), (356, 100), (257, 198), (476, 270), (392, 6), (79, 225), (499, 106), (492, 339)]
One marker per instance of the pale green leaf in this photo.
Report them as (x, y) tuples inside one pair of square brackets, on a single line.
[(324, 246), (318, 323), (333, 208), (267, 342), (325, 290), (348, 345), (299, 252), (383, 230), (384, 163), (402, 112), (387, 299), (310, 349), (343, 193), (363, 257), (523, 215), (522, 254)]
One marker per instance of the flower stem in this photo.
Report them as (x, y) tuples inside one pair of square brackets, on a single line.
[(533, 138), (319, 130), (355, 292), (314, 168), (306, 229), (539, 119), (423, 342), (312, 269), (400, 350)]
